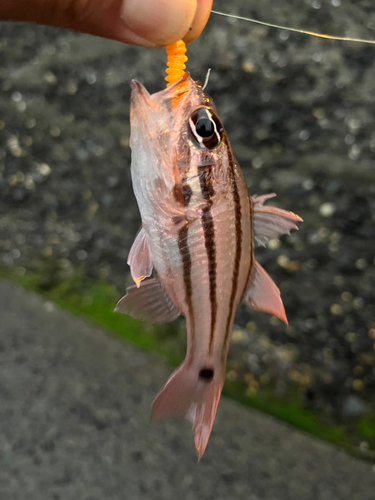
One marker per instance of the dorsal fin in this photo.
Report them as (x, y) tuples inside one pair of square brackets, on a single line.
[(271, 222)]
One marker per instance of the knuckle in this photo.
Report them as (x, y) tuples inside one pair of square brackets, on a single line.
[(76, 10), (67, 13)]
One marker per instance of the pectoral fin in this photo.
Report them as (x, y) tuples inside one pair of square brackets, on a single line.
[(148, 302), (271, 222), (263, 294), (139, 258)]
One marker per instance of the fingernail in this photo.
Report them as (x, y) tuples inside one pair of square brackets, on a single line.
[(157, 22), (202, 14)]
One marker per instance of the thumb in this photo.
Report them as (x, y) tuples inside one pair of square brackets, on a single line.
[(149, 23)]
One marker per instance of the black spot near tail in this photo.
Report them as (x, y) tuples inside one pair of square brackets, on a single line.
[(206, 374)]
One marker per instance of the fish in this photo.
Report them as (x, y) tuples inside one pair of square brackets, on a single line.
[(194, 254)]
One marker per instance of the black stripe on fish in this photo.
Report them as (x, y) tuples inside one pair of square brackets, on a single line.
[(237, 257), (187, 193), (183, 247), (207, 189), (178, 193), (183, 160), (251, 212), (181, 163)]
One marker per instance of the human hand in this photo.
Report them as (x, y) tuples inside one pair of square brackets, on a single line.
[(148, 23)]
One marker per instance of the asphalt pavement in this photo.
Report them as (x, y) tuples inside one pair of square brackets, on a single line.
[(74, 425)]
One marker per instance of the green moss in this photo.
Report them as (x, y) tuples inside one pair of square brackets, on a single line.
[(95, 300), (367, 428)]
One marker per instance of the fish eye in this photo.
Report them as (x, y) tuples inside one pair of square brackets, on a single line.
[(206, 128)]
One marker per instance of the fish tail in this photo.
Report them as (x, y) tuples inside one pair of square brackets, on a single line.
[(193, 395)]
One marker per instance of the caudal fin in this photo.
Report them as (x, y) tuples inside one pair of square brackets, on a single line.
[(193, 395)]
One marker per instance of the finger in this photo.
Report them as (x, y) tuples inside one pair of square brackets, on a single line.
[(200, 20), (159, 22), (149, 23)]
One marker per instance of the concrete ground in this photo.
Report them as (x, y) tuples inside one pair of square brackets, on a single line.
[(74, 425)]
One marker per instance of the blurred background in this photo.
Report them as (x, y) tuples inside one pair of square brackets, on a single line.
[(299, 113)]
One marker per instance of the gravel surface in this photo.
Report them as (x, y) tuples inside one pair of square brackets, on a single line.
[(300, 113), (74, 406)]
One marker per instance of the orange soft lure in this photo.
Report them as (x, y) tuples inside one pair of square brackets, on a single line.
[(176, 61)]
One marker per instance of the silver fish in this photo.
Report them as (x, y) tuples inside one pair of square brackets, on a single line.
[(199, 229)]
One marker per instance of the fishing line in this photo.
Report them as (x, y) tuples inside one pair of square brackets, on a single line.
[(295, 30)]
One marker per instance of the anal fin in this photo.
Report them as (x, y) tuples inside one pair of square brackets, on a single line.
[(148, 302), (262, 294)]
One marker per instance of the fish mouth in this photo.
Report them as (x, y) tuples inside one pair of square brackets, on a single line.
[(141, 103), (137, 86), (140, 95)]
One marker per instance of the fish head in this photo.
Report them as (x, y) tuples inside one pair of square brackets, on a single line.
[(176, 127)]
